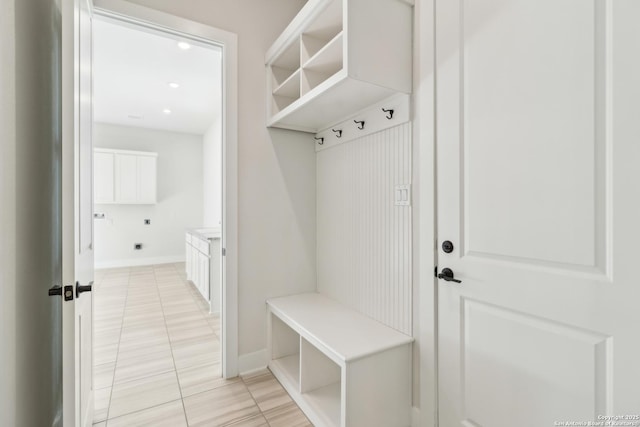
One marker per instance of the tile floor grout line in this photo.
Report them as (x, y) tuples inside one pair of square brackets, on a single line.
[(202, 315), (255, 401), (173, 359), (138, 411), (155, 374), (115, 366)]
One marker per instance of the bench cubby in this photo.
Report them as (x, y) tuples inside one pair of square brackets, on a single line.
[(341, 367)]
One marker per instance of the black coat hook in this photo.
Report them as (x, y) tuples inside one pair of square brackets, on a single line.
[(338, 133), (319, 139), (390, 116), (360, 124)]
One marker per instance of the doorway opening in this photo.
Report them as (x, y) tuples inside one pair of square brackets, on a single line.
[(164, 200)]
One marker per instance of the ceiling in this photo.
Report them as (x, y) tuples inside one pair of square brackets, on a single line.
[(132, 69)]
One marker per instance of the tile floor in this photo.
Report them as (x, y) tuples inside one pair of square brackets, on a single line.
[(157, 359)]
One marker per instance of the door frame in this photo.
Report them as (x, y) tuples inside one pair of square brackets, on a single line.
[(8, 193), (228, 42), (425, 252)]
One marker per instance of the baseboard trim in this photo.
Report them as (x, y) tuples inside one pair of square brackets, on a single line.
[(137, 262), (253, 362)]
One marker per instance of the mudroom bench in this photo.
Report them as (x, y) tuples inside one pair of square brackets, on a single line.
[(341, 367)]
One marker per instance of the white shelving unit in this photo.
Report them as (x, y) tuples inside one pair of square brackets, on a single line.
[(341, 367), (334, 60)]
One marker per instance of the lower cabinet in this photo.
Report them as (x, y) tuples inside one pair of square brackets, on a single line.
[(203, 275), (202, 265)]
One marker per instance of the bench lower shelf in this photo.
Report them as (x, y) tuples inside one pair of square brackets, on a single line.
[(322, 406), (288, 369)]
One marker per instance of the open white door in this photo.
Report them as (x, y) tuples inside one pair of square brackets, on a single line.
[(538, 169), (77, 209)]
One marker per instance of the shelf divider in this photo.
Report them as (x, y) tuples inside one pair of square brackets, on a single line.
[(328, 59), (290, 88)]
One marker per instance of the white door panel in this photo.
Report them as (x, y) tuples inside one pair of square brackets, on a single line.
[(529, 93), (533, 100), (84, 221), (77, 228)]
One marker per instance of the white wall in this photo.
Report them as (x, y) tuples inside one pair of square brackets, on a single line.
[(212, 175), (276, 169), (179, 199), (30, 320)]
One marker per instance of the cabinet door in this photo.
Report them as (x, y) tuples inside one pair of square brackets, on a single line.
[(146, 179), (103, 166), (200, 271), (195, 269), (205, 277), (126, 185), (187, 259), (194, 266), (214, 276)]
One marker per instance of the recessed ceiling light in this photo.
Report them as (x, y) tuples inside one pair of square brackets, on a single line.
[(173, 85), (166, 111), (184, 45)]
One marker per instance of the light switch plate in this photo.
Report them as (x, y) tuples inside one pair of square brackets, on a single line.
[(402, 195)]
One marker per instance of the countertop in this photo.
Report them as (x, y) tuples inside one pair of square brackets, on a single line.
[(205, 233)]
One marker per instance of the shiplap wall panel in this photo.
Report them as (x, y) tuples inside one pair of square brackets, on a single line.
[(364, 239)]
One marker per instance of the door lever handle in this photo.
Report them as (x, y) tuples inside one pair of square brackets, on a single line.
[(66, 292), (447, 275), (55, 290), (80, 288)]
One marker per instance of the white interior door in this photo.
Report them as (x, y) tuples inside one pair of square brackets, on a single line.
[(77, 230), (538, 168)]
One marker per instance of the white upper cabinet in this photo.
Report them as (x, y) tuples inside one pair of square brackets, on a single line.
[(103, 167), (124, 177), (337, 57), (146, 179)]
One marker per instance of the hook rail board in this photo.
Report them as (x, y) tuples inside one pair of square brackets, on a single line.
[(391, 112)]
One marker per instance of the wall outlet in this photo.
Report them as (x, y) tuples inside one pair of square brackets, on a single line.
[(147, 221), (137, 246)]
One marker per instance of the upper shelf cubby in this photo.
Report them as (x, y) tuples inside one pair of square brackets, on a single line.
[(335, 58)]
